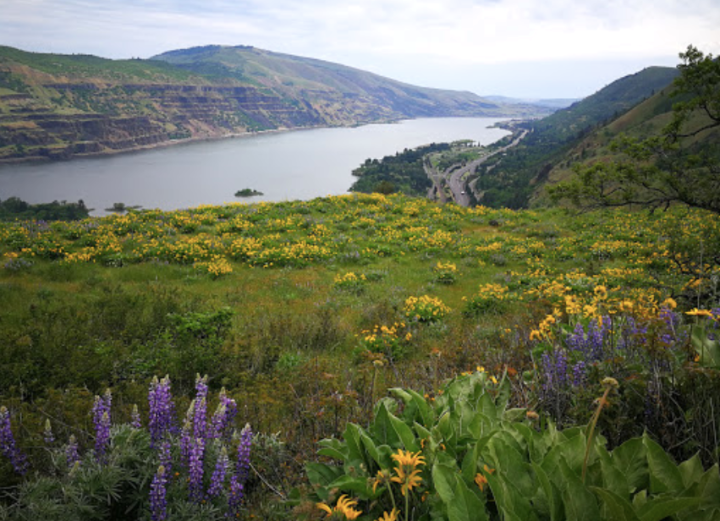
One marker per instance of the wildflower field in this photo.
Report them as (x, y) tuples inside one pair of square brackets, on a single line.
[(389, 357)]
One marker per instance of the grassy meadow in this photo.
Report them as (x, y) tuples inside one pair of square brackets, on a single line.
[(307, 313)]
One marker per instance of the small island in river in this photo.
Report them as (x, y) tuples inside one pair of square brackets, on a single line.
[(247, 192)]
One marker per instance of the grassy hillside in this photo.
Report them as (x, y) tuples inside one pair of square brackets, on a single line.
[(508, 180), (318, 81), (308, 312)]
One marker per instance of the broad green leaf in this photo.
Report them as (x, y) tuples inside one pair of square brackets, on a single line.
[(321, 474), (502, 397), (331, 452), (613, 479), (486, 405), (664, 474), (512, 464), (620, 509), (469, 464), (514, 415), (426, 412), (422, 432), (550, 492), (371, 448), (466, 506), (580, 503), (708, 488), (630, 458), (404, 433), (444, 427), (660, 508), (691, 471), (333, 448), (383, 430), (510, 502), (352, 440), (444, 481), (359, 486), (571, 452)]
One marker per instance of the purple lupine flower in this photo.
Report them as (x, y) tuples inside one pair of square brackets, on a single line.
[(166, 456), (554, 371), (71, 452), (200, 417), (48, 435), (576, 340), (218, 477), (101, 420), (595, 340), (242, 469), (162, 409), (158, 491), (186, 442), (579, 374), (217, 424), (200, 428), (135, 422), (235, 496), (223, 418), (197, 454), (7, 443)]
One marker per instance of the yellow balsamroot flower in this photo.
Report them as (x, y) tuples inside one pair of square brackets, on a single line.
[(406, 470), (392, 516), (700, 313), (344, 506), (669, 303), (572, 306), (600, 292)]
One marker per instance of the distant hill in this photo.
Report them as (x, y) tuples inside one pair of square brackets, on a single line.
[(553, 103), (510, 179), (60, 106), (646, 119)]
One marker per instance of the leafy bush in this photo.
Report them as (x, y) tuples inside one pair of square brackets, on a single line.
[(464, 455)]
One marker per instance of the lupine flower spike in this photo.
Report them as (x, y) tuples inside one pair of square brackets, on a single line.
[(48, 435), (158, 501), (7, 443)]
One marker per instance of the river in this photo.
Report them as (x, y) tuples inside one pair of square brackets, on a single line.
[(301, 164)]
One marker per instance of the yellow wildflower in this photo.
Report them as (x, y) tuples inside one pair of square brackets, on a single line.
[(700, 313), (406, 470), (392, 516), (344, 506)]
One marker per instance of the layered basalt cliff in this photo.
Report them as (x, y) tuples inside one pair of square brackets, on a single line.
[(106, 119)]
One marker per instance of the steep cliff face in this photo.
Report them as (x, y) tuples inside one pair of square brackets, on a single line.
[(59, 106), (86, 118)]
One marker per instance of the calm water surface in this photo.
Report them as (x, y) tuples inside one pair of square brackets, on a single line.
[(284, 166)]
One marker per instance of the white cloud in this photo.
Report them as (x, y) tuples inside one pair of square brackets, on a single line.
[(382, 35)]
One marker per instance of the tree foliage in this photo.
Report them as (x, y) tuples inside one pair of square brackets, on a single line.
[(673, 167)]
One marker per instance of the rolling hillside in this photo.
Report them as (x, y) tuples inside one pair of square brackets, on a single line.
[(509, 180), (58, 106), (646, 119)]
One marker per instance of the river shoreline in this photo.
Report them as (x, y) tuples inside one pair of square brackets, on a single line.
[(186, 141)]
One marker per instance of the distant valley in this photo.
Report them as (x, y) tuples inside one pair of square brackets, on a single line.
[(60, 106)]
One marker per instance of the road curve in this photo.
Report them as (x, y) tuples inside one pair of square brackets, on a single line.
[(456, 181)]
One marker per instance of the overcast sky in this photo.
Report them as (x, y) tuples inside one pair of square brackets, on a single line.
[(521, 48)]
